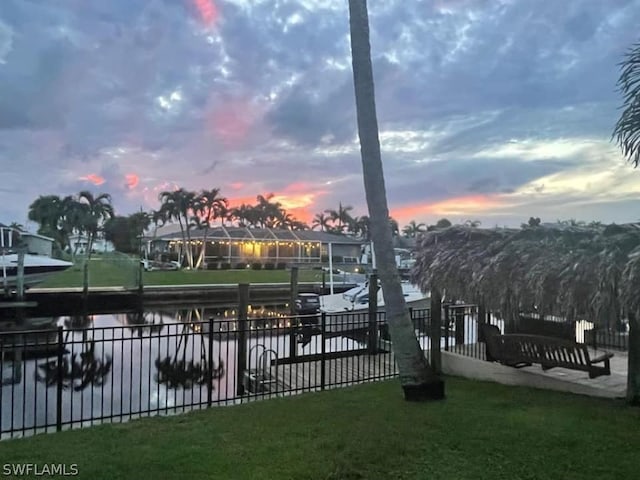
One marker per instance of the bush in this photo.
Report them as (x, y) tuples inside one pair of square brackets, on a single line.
[(225, 266), (281, 265), (256, 266), (240, 266), (212, 266), (269, 266)]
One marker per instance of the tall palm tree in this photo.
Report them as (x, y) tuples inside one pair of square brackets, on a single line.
[(179, 205), (209, 206), (418, 379), (340, 216), (413, 229), (627, 128), (96, 211), (320, 221), (627, 135)]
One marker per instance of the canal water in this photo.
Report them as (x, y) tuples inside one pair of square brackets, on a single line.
[(125, 365)]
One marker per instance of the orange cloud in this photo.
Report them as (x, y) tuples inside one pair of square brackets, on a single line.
[(207, 10), (236, 185), (93, 178), (467, 205), (132, 180)]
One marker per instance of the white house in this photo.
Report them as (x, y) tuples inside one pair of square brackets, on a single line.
[(79, 244)]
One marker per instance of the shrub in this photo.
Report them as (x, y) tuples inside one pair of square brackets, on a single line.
[(212, 266), (281, 265), (240, 266), (256, 266), (269, 266), (225, 266)]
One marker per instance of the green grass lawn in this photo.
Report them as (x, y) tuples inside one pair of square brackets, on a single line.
[(481, 431), (105, 273)]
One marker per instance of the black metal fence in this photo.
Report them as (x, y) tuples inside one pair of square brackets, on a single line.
[(72, 377), (461, 332)]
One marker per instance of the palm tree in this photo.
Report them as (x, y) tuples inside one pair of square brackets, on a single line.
[(417, 378), (341, 216), (209, 205), (47, 212), (320, 221), (627, 129), (95, 212), (413, 229), (179, 205), (627, 135), (361, 227)]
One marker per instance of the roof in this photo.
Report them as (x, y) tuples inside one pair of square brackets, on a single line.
[(36, 235), (263, 234), (590, 272)]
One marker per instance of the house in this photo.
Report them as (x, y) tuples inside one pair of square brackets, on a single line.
[(265, 245), (37, 244), (78, 243)]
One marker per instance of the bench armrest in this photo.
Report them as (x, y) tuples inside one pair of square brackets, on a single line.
[(602, 358)]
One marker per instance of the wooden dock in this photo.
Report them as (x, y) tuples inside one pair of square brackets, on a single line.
[(338, 372)]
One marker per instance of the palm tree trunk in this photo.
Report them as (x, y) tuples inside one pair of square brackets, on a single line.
[(419, 381)]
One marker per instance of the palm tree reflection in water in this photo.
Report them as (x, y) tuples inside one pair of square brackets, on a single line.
[(76, 371), (179, 372)]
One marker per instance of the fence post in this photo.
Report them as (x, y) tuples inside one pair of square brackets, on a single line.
[(459, 314), (59, 384), (482, 318), (373, 313), (210, 366), (323, 371), (241, 361), (293, 287), (446, 327), (435, 332)]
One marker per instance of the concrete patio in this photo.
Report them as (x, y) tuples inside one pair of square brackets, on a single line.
[(459, 362)]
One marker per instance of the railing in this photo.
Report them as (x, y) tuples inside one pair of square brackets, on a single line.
[(461, 330), (72, 377)]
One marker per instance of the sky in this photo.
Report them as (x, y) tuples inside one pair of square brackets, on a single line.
[(491, 110)]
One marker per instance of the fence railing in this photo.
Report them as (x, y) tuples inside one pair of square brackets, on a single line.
[(72, 376), (461, 332)]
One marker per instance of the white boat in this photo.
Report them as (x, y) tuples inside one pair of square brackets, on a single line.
[(36, 269), (357, 299)]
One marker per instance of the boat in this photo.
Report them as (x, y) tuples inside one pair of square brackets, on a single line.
[(36, 269), (357, 299)]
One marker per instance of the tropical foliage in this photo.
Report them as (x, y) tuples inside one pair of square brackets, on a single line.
[(627, 129)]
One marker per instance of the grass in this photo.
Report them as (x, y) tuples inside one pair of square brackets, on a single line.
[(105, 272), (481, 431)]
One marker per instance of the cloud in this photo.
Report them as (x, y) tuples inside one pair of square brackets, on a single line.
[(510, 102)]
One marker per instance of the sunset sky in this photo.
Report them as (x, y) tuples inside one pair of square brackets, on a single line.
[(495, 110)]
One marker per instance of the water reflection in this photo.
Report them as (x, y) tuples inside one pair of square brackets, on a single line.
[(137, 363)]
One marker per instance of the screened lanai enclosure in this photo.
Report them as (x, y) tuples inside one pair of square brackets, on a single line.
[(233, 245)]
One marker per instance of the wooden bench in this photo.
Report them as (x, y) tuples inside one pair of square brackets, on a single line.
[(518, 350)]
